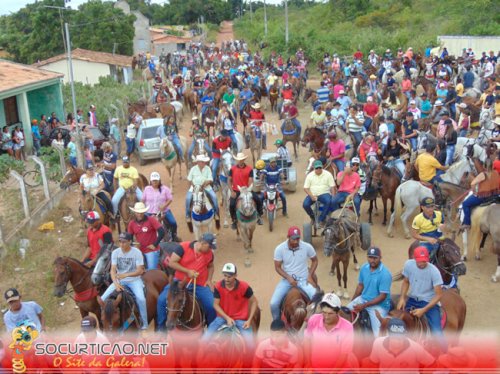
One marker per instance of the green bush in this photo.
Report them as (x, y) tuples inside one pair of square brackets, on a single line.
[(50, 158), (8, 163)]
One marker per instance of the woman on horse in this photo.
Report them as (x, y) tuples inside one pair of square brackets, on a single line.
[(158, 198), (92, 183), (392, 155), (198, 132), (170, 130), (336, 150)]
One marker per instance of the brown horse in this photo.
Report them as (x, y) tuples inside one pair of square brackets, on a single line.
[(147, 110), (184, 311), (89, 202), (294, 309), (119, 309), (128, 201), (316, 138), (67, 269), (71, 177), (208, 122), (192, 100), (291, 134), (310, 94), (273, 97), (386, 180), (220, 94)]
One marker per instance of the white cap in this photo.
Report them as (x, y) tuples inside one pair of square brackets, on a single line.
[(438, 103), (229, 268), (412, 102), (202, 158), (155, 176), (462, 105), (332, 300), (355, 160), (341, 92)]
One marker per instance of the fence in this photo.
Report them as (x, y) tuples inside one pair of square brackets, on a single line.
[(28, 197)]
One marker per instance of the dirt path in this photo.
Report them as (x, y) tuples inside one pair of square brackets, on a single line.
[(225, 32)]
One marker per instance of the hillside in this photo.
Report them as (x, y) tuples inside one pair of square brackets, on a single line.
[(341, 26)]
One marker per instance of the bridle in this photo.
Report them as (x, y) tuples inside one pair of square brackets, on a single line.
[(67, 273), (439, 256), (180, 310)]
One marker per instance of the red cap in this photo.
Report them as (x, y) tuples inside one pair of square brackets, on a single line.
[(421, 254), (294, 232)]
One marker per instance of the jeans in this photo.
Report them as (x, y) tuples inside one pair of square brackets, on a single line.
[(203, 294), (371, 312), (339, 164), (137, 288), (117, 146), (170, 220), (211, 195), (233, 200), (108, 181), (324, 199), (467, 205), (218, 322), (130, 145), (340, 197), (37, 146), (178, 146), (72, 160), (463, 133), (450, 152), (433, 315), (296, 122), (414, 143), (357, 140), (152, 260), (120, 192), (432, 248), (398, 164), (282, 289), (191, 149), (368, 123), (215, 168)]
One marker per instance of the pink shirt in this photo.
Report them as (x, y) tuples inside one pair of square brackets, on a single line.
[(350, 182), (336, 89), (441, 128), (153, 198), (327, 347), (336, 148)]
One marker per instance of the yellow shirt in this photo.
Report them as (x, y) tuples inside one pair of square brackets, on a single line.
[(318, 119), (319, 184), (460, 89), (126, 176), (497, 109), (428, 226), (426, 165)]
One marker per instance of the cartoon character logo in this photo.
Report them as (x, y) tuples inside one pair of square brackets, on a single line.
[(23, 336)]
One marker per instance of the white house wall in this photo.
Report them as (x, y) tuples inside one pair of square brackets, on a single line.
[(83, 71), (456, 43)]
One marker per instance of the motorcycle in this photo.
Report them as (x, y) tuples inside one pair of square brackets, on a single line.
[(271, 195)]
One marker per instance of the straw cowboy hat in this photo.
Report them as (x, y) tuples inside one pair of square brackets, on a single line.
[(202, 158), (139, 208), (256, 106), (240, 157)]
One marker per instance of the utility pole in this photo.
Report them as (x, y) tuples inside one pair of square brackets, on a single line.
[(265, 19), (251, 16), (286, 22)]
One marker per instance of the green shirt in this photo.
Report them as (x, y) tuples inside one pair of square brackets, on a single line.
[(228, 98), (198, 177)]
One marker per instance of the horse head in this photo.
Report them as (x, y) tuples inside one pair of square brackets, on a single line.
[(103, 265), (307, 94), (71, 177), (199, 201), (62, 275), (227, 161), (449, 260), (111, 312), (176, 301), (332, 236), (246, 204), (307, 137)]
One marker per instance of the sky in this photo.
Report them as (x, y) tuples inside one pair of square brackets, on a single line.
[(8, 6)]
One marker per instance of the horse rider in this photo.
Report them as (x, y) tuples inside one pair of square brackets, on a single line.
[(127, 267), (152, 68), (319, 186), (291, 262), (93, 183), (338, 114), (373, 292), (157, 88), (246, 96), (282, 152), (318, 118), (392, 155), (256, 119), (219, 144), (109, 159), (355, 125), (290, 112), (194, 261), (485, 186), (198, 133), (98, 235), (126, 177), (286, 94), (178, 84), (148, 232), (273, 175), (336, 150), (369, 151), (428, 226), (198, 85), (158, 198), (207, 101), (426, 166), (241, 175), (349, 183), (235, 305), (170, 130), (201, 175), (422, 284)]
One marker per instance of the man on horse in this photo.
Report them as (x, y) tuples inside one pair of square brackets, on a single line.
[(256, 119), (283, 153), (318, 118), (273, 175), (291, 263), (98, 235), (109, 164), (198, 133), (422, 284), (336, 150), (290, 112), (148, 232), (194, 261), (373, 292), (201, 175), (241, 175), (127, 267), (219, 144), (235, 304), (319, 186), (125, 177), (427, 165), (246, 96), (349, 184), (170, 130)]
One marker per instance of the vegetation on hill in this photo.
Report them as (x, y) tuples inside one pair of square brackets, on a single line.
[(342, 26)]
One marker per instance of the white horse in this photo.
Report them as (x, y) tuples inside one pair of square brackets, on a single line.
[(246, 216), (226, 163), (461, 148), (179, 109), (170, 158), (202, 213), (411, 192)]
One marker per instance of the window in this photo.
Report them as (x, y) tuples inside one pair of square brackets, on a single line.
[(10, 109)]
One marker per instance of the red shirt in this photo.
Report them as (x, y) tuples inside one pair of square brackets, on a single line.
[(358, 55), (93, 238), (257, 115), (496, 165), (291, 110), (145, 232), (219, 145), (287, 94), (240, 176), (234, 302), (193, 261), (371, 109)]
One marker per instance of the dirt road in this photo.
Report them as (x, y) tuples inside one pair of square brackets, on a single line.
[(225, 33)]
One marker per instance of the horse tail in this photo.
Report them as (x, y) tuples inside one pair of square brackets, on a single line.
[(300, 312), (398, 204), (475, 229)]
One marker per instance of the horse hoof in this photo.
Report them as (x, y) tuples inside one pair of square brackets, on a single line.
[(339, 293), (494, 279), (345, 295), (332, 273), (376, 214), (370, 222), (238, 239), (407, 236), (464, 258), (356, 267), (250, 250), (477, 257), (226, 225)]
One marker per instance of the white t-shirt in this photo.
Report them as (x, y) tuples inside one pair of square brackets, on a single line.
[(90, 184), (29, 311), (383, 130), (131, 131), (127, 262)]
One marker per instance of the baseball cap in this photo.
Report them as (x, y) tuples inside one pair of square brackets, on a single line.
[(341, 92), (331, 300), (88, 324), (318, 164), (92, 216), (374, 252), (448, 122), (277, 325), (294, 232), (34, 121), (409, 114), (427, 201), (125, 159), (155, 176), (396, 326), (438, 103), (355, 160), (272, 159), (125, 236), (229, 268), (210, 239), (224, 132), (413, 102), (421, 254), (12, 294)]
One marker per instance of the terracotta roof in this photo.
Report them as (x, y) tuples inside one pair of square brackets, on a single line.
[(14, 75), (171, 39), (92, 56)]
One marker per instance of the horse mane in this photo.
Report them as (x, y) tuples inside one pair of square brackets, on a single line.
[(455, 166), (59, 261), (109, 307), (386, 170)]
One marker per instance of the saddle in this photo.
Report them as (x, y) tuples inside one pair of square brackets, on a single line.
[(363, 319), (491, 200)]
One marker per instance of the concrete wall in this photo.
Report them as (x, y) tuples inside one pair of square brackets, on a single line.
[(83, 71), (142, 37), (456, 43)]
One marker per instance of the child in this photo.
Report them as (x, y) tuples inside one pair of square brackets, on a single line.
[(72, 152), (88, 155)]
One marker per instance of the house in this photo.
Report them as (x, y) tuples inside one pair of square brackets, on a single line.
[(169, 44), (89, 66), (26, 92), (142, 39)]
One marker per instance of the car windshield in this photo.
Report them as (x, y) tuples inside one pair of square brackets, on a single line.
[(96, 133), (149, 132)]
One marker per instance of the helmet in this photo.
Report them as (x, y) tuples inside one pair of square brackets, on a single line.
[(278, 142), (260, 164)]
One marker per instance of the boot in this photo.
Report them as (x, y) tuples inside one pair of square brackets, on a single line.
[(175, 238), (247, 141)]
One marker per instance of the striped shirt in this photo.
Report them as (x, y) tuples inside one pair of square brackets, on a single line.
[(323, 94), (352, 125)]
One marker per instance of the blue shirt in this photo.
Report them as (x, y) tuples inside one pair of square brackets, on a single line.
[(36, 132), (344, 101), (72, 149), (426, 105), (376, 282), (468, 79), (246, 95), (323, 94), (410, 127), (272, 176)]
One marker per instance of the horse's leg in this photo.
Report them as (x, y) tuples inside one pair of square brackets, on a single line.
[(481, 245), (355, 260), (339, 276), (494, 277), (345, 263), (295, 146), (404, 219), (384, 201), (370, 210), (332, 268), (465, 240)]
